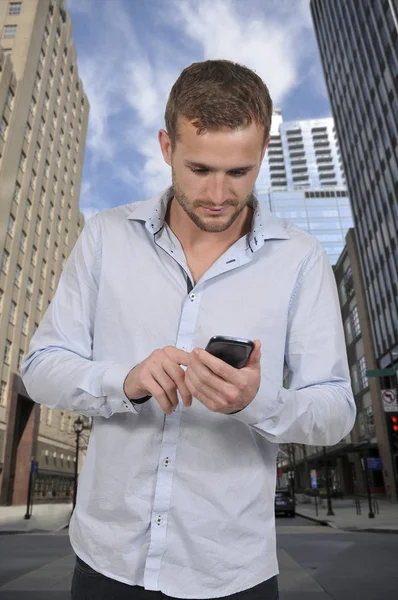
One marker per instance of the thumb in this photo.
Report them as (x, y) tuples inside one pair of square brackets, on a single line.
[(255, 356)]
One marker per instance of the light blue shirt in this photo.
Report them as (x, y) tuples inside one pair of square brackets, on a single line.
[(184, 503)]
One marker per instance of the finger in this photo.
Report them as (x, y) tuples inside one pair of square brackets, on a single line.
[(180, 357), (217, 366), (167, 396), (206, 400), (255, 356), (177, 374), (206, 376), (202, 390)]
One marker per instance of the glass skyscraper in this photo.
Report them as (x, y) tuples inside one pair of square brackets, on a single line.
[(358, 43), (302, 180)]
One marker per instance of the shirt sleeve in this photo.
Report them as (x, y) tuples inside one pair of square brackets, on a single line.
[(58, 370), (318, 408)]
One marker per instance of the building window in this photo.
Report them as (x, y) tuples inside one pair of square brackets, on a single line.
[(24, 325), (49, 417), (29, 288), (55, 253), (10, 31), (47, 240), (3, 387), (13, 309), (11, 224), (37, 151), (21, 354), (7, 352), (1, 300), (62, 422), (10, 98), (59, 224), (362, 373), (17, 278), (33, 259), (39, 304), (33, 179), (22, 161), (369, 420), (38, 225), (52, 280), (28, 209), (51, 210), (355, 322), (43, 268), (4, 261), (14, 8), (17, 192), (28, 131), (22, 241), (3, 127), (42, 56), (355, 379)]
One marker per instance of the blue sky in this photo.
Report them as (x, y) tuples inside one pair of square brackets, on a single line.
[(130, 52)]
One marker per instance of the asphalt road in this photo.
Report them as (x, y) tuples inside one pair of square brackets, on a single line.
[(316, 563)]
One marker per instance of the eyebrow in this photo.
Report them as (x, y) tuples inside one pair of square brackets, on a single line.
[(196, 165)]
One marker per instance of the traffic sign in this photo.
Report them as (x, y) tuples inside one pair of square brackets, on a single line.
[(35, 466), (314, 482), (389, 398), (375, 463)]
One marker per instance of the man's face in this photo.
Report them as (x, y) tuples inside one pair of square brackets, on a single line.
[(213, 174)]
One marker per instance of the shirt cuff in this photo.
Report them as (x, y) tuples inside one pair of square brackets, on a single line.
[(112, 385), (261, 406)]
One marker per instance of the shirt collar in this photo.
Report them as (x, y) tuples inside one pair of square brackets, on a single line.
[(265, 225)]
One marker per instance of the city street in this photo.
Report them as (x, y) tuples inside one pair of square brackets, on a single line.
[(316, 563)]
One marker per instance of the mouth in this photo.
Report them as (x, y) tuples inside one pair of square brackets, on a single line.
[(215, 211)]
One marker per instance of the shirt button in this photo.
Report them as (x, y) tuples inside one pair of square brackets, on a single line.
[(167, 462), (192, 297), (159, 520)]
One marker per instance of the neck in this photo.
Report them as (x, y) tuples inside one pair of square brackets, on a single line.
[(191, 236)]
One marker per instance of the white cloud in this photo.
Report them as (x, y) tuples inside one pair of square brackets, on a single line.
[(127, 83)]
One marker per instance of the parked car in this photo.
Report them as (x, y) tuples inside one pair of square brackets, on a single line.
[(284, 503)]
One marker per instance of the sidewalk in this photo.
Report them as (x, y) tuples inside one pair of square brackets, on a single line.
[(45, 517), (346, 518)]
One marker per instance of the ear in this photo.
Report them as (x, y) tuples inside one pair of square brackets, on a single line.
[(165, 145), (264, 149)]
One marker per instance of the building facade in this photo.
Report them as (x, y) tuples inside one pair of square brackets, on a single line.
[(358, 43), (301, 154), (43, 127), (323, 212), (302, 180), (366, 453)]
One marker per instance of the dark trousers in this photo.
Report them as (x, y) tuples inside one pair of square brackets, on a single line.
[(87, 584)]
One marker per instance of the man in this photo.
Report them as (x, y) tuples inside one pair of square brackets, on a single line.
[(176, 495)]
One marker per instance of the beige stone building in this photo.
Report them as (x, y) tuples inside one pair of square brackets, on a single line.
[(43, 126)]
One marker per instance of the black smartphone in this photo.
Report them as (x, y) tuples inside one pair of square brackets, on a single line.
[(234, 351)]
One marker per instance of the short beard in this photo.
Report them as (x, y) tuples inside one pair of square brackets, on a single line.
[(183, 201)]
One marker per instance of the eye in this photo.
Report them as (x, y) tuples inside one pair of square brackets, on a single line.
[(237, 173), (199, 171)]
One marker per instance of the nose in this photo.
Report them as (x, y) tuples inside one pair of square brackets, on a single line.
[(217, 188)]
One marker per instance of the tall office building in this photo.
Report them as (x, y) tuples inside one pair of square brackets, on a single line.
[(301, 154), (302, 180), (43, 126), (358, 43)]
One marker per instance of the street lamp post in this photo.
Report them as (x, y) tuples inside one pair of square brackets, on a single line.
[(371, 514), (78, 426), (330, 512)]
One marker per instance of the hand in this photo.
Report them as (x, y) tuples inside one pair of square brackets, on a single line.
[(160, 375), (219, 386)]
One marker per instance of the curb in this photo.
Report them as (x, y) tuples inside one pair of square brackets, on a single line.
[(317, 520)]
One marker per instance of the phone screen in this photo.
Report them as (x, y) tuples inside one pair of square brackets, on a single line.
[(234, 351)]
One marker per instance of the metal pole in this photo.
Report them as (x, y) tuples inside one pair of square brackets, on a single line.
[(371, 514), (28, 502), (76, 470), (327, 482)]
